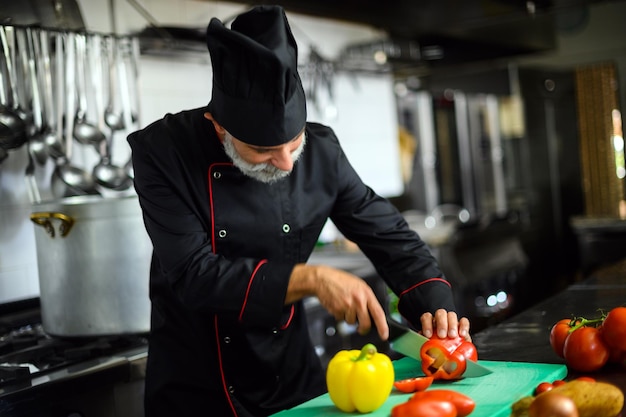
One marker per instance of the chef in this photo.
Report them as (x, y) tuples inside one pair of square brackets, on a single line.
[(234, 197)]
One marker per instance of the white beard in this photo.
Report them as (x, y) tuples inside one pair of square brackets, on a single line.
[(264, 172)]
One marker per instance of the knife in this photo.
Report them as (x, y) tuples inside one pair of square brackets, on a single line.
[(408, 342)]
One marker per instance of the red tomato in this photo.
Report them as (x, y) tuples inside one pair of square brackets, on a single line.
[(413, 384), (558, 334), (617, 357), (543, 387), (614, 329), (585, 351), (464, 405), (558, 382), (424, 408)]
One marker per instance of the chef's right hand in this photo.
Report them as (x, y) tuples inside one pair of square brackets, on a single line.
[(345, 296)]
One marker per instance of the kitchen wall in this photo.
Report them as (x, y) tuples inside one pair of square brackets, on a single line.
[(594, 33), (179, 81), (172, 82), (361, 110)]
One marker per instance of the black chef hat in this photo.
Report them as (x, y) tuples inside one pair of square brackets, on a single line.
[(257, 93)]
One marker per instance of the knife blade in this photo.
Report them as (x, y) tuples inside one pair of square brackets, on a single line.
[(408, 342)]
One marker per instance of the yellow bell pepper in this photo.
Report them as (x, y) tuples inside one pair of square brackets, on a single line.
[(359, 380)]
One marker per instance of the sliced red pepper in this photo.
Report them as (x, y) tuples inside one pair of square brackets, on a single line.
[(416, 384), (468, 349), (464, 405), (445, 358), (429, 407)]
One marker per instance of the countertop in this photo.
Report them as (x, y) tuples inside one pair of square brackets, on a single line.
[(525, 337), (601, 224)]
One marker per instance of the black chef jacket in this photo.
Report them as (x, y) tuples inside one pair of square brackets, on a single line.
[(221, 338)]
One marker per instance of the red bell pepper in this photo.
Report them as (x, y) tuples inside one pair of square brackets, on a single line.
[(445, 358), (464, 405), (414, 384), (435, 403), (430, 407)]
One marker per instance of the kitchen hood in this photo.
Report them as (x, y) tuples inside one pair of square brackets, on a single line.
[(419, 36), (49, 14), (439, 33)]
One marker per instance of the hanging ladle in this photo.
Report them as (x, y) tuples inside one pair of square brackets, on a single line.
[(54, 140), (37, 141), (68, 180), (37, 150), (112, 118), (84, 132), (111, 176), (105, 172), (41, 47), (12, 126), (15, 41)]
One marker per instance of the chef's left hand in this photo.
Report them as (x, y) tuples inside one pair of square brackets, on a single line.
[(446, 324)]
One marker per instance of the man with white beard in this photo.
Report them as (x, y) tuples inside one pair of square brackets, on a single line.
[(263, 171), (234, 197)]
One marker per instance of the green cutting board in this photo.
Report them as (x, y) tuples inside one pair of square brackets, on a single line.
[(493, 394)]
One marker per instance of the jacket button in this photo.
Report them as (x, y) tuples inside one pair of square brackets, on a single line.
[(286, 228), (275, 330), (222, 233), (231, 389), (217, 175), (227, 340)]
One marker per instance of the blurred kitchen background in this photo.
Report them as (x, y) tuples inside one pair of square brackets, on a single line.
[(494, 126)]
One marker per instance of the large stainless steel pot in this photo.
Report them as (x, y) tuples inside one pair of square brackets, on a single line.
[(93, 256)]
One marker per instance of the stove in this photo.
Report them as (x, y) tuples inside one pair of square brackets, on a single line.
[(47, 376)]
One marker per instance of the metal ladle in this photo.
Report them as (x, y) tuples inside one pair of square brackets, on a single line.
[(12, 129), (54, 139), (13, 39), (84, 132), (115, 120), (68, 180), (105, 172), (37, 141), (37, 150), (112, 118), (12, 126), (111, 176)]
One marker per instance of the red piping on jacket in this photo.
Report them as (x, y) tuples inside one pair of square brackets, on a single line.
[(245, 300), (424, 282), (211, 200), (219, 357), (284, 326)]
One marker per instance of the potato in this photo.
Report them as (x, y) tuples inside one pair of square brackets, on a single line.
[(593, 399), (521, 406)]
